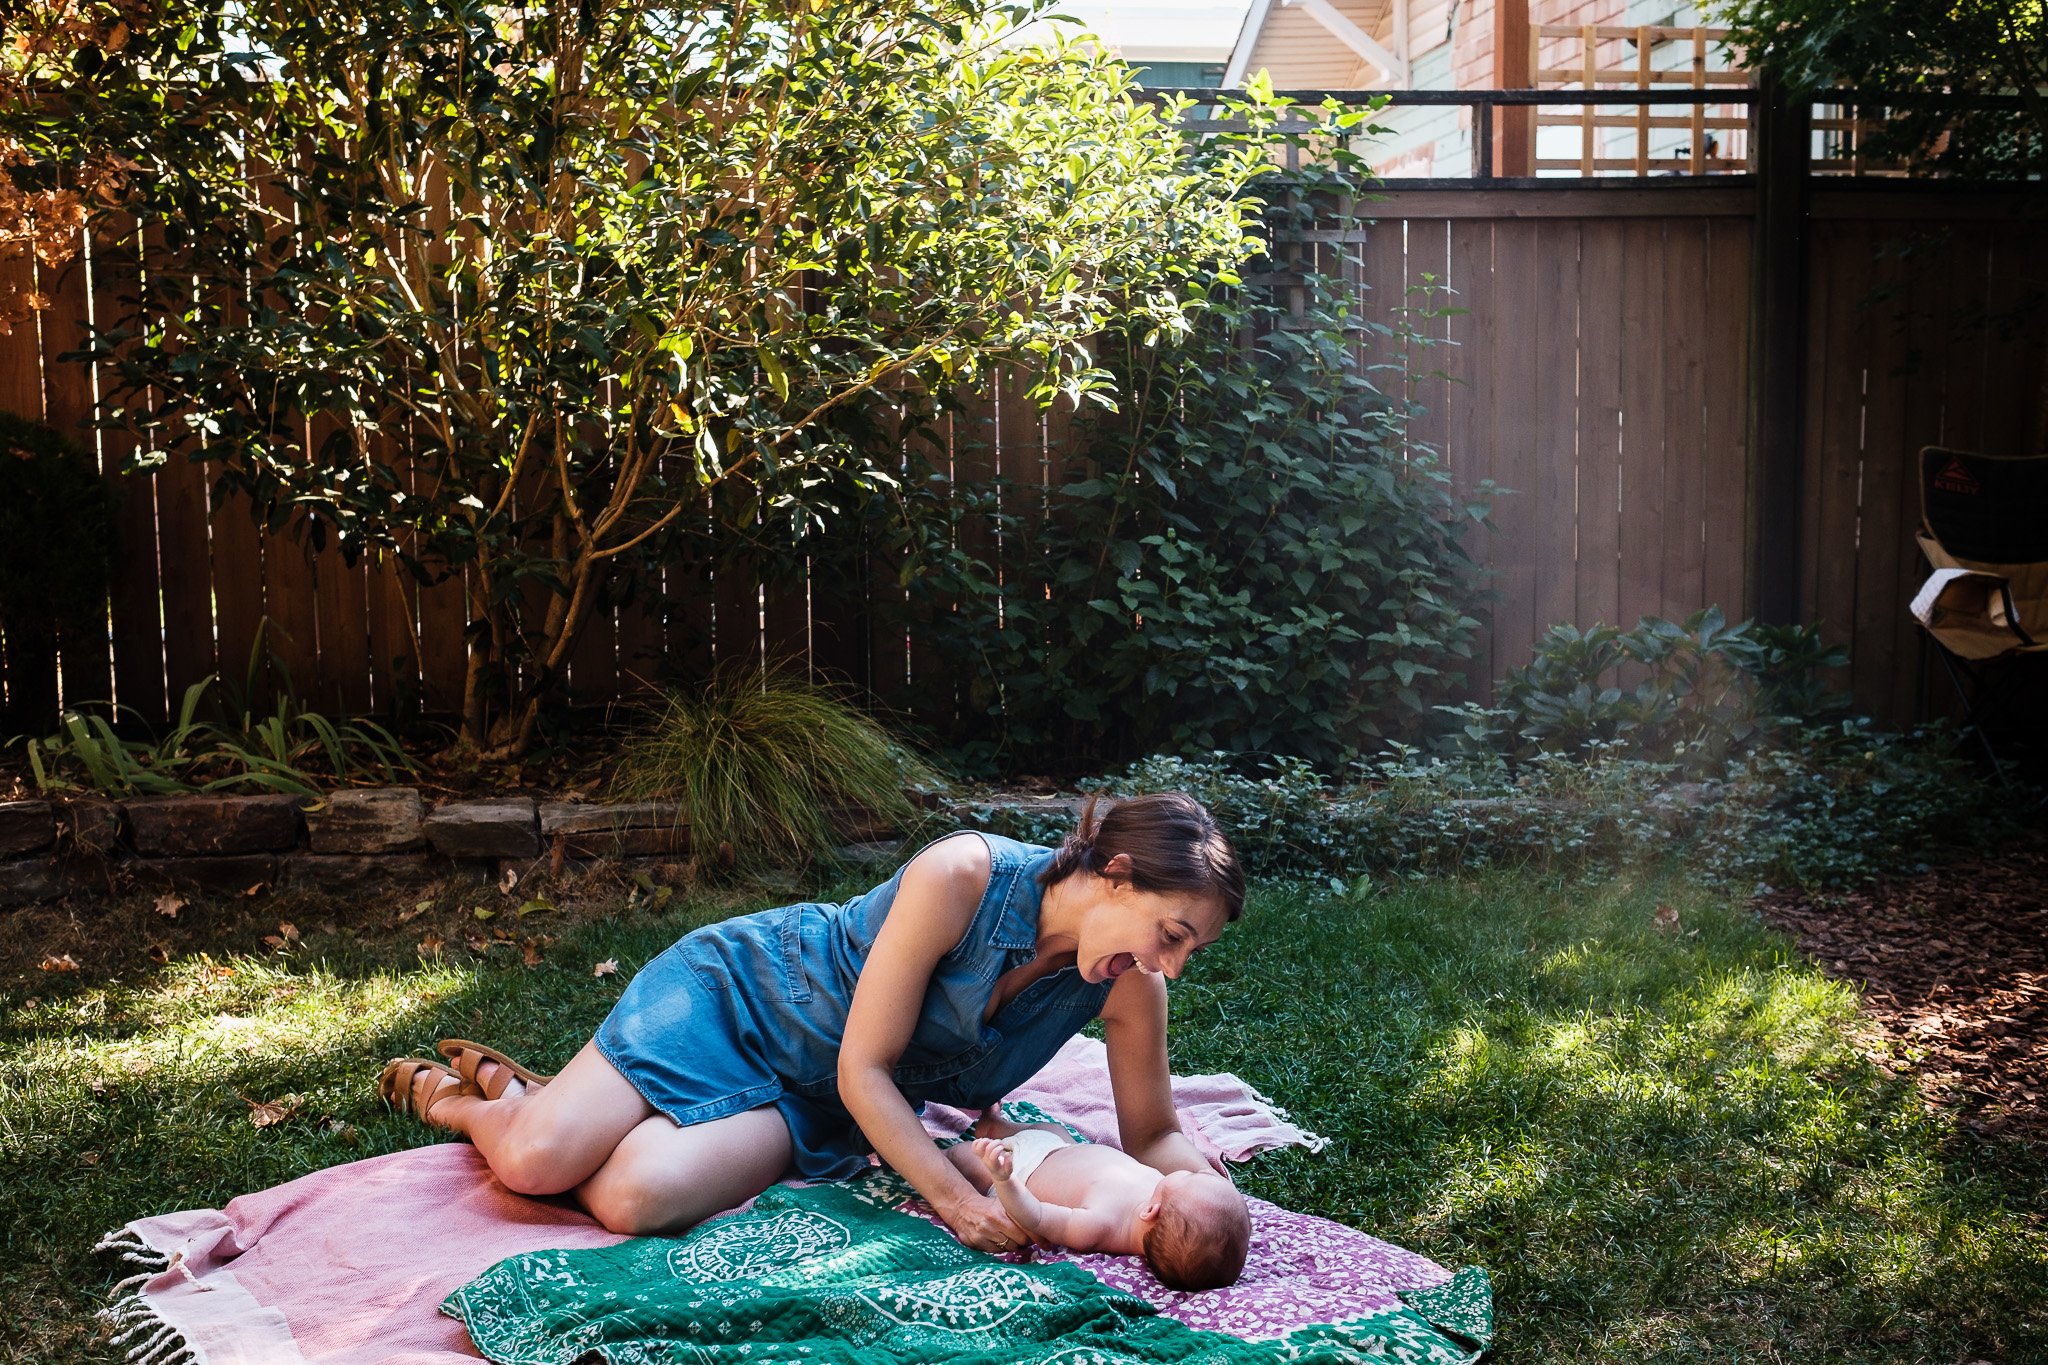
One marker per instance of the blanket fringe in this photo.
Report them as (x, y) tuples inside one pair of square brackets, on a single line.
[(1315, 1142), (128, 1315)]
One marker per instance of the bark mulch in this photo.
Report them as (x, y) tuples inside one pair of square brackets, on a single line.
[(1954, 968)]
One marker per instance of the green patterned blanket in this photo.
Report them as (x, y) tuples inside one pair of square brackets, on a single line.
[(826, 1274)]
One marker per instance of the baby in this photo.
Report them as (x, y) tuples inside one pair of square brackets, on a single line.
[(1192, 1227)]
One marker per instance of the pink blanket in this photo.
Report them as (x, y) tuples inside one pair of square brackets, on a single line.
[(351, 1264)]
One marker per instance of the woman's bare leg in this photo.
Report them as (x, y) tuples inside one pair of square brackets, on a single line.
[(589, 1131)]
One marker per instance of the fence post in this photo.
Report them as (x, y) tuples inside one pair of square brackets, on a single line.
[(1777, 353)]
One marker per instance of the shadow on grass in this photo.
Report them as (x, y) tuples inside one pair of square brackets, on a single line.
[(1660, 1141)]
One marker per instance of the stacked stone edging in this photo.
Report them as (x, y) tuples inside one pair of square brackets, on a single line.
[(363, 839)]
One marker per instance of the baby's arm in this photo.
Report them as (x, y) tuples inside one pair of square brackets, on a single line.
[(1055, 1224)]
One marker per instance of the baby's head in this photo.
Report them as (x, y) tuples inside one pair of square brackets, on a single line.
[(1198, 1236)]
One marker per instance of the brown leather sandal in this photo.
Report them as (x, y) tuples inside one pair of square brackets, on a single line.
[(396, 1082), (468, 1057)]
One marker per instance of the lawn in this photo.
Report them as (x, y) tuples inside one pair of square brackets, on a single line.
[(1659, 1138)]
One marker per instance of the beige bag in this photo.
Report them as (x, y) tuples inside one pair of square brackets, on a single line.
[(1971, 613)]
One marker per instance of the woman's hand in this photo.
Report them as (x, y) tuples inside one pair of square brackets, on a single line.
[(981, 1223)]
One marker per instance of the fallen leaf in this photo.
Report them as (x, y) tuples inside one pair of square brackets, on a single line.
[(608, 967), (160, 954), (483, 912), (536, 906), (477, 944), (530, 951), (1666, 918), (169, 904), (88, 1158), (507, 880), (270, 1112), (256, 889), (63, 963), (273, 941), (407, 916), (289, 930), (430, 946)]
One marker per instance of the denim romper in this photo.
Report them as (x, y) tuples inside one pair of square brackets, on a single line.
[(750, 1012)]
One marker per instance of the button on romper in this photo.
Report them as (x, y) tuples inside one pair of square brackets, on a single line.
[(750, 1012)]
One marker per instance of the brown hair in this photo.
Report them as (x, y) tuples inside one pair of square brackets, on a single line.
[(1173, 843), (1200, 1240)]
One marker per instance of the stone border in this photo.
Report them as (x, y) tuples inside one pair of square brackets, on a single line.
[(363, 839), (359, 839)]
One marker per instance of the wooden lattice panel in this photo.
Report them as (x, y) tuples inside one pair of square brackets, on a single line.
[(1715, 136)]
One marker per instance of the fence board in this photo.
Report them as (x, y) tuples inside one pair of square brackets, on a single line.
[(1468, 438), (1685, 454), (1883, 536), (1839, 460), (1513, 384), (28, 665), (1602, 341), (1642, 423), (1428, 267), (1725, 449), (1554, 549), (83, 649)]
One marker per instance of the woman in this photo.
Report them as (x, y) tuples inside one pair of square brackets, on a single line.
[(791, 1040)]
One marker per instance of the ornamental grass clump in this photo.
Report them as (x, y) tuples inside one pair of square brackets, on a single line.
[(766, 766)]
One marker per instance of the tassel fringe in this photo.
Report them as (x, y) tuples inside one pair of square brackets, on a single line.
[(1316, 1142), (128, 1315)]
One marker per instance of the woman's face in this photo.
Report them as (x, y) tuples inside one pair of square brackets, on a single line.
[(1126, 929)]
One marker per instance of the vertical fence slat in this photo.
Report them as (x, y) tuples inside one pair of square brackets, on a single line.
[(83, 648), (134, 609), (1685, 454), (1555, 430), (1883, 536), (1642, 421), (1837, 459), (1516, 456), (1427, 270), (184, 554), (1467, 440), (1726, 442), (1602, 339), (30, 662)]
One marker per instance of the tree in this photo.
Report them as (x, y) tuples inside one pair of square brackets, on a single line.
[(1958, 47), (549, 284)]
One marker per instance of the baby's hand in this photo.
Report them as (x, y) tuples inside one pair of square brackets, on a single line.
[(995, 1156)]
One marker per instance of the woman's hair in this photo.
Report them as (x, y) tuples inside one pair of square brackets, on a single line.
[(1172, 842)]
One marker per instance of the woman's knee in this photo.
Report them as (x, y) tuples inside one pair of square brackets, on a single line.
[(532, 1158), (635, 1210)]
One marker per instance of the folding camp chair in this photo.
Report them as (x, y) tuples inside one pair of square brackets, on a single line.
[(1984, 530)]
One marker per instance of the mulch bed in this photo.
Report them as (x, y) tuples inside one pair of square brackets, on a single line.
[(1954, 968)]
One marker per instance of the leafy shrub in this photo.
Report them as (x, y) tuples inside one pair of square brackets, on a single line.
[(224, 739), (1829, 806), (760, 762), (1252, 555), (1709, 690)]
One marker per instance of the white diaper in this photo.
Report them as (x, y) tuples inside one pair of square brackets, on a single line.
[(1029, 1148)]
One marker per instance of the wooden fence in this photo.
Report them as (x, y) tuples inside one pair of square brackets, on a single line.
[(1598, 366)]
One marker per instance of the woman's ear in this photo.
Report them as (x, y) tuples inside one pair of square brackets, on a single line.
[(1117, 868)]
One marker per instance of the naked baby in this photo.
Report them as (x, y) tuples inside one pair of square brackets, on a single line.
[(1191, 1227)]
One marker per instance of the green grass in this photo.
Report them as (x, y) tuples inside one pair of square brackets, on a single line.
[(1662, 1144)]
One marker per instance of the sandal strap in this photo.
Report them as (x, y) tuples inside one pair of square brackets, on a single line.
[(400, 1080), (456, 1049)]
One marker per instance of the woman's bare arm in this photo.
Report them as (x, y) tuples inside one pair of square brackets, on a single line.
[(1134, 1030), (935, 902)]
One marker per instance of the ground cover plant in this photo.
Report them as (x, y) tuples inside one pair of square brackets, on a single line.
[(1624, 1096)]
